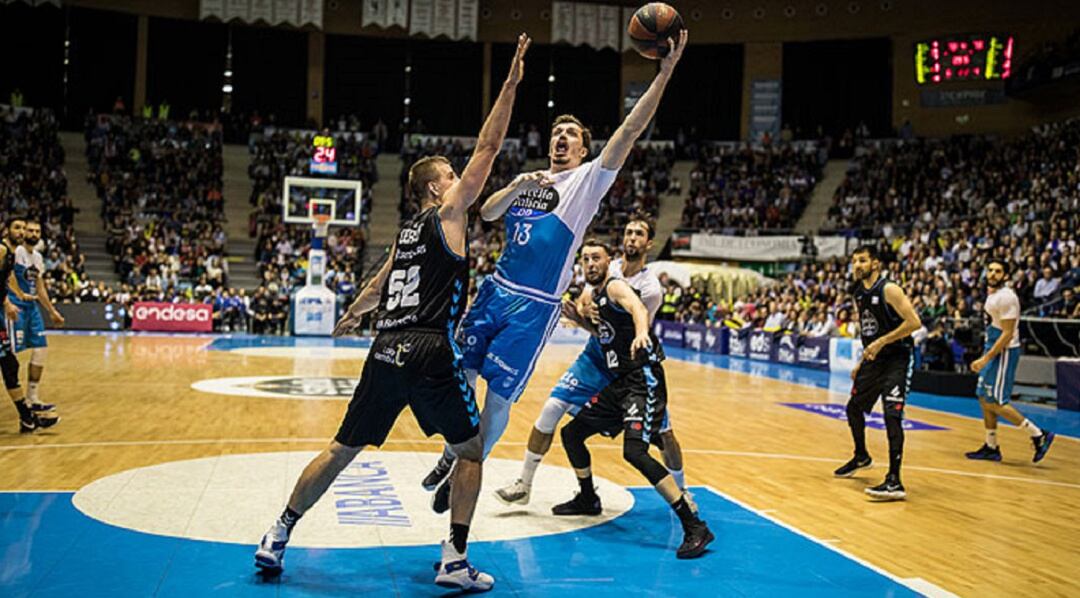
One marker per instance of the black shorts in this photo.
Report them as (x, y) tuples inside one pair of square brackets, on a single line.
[(634, 403), (887, 378), (420, 369)]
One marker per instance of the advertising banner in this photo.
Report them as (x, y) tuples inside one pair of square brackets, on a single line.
[(172, 317)]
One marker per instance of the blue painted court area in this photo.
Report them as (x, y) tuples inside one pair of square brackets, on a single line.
[(1066, 423), (52, 549)]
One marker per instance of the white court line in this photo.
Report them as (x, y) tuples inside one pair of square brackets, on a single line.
[(716, 452), (921, 586)]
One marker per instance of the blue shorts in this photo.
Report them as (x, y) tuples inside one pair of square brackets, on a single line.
[(996, 379), (503, 335), (29, 328), (585, 379)]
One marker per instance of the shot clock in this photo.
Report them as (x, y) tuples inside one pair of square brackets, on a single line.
[(976, 57), (324, 157)]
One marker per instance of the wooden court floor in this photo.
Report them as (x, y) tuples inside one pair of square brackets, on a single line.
[(970, 528)]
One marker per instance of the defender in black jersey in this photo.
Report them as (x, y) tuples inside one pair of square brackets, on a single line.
[(886, 321), (633, 404), (30, 419), (420, 293)]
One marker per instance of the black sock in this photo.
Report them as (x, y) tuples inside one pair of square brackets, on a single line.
[(24, 410), (895, 457), (289, 518), (459, 536), (587, 489), (683, 510)]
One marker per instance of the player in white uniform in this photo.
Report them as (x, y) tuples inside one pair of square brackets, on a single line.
[(589, 373), (997, 367), (546, 214), (30, 326)]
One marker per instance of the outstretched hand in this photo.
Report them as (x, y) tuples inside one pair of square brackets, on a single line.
[(540, 177), (675, 51), (517, 64)]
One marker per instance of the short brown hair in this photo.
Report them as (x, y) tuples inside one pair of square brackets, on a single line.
[(595, 242), (643, 219), (586, 134), (422, 172)]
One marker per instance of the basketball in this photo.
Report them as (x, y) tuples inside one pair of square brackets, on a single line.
[(650, 28)]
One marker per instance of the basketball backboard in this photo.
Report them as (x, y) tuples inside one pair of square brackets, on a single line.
[(306, 197)]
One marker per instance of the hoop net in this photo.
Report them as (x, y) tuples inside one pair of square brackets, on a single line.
[(321, 225)]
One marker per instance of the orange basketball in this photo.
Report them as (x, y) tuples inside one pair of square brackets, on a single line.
[(650, 28)]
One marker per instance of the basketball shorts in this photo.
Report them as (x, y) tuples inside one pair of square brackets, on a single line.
[(887, 378), (996, 379), (420, 369), (586, 378), (634, 404), (29, 328), (503, 334)]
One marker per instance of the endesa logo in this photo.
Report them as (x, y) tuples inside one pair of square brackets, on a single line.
[(172, 317)]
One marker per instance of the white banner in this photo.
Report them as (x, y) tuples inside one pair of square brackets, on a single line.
[(829, 247), (311, 12), (236, 9), (286, 11), (212, 8), (420, 15), (562, 22), (468, 12), (607, 27), (444, 22), (584, 25), (627, 14), (750, 249), (262, 10), (398, 14), (373, 12)]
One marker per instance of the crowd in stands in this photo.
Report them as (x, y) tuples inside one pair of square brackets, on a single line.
[(739, 189), (33, 184)]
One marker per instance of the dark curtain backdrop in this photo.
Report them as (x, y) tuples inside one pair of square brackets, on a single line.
[(838, 84), (365, 77), (705, 93), (186, 65), (446, 86), (270, 73), (32, 54), (102, 61)]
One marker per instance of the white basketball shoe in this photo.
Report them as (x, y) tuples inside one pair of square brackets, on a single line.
[(456, 573)]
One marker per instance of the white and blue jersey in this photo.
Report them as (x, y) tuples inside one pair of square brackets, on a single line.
[(996, 378), (518, 306), (29, 326), (589, 374)]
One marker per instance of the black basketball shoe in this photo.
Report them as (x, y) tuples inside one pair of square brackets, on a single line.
[(38, 421), (890, 489), (857, 462), (437, 475), (696, 539), (440, 501), (985, 453), (579, 505)]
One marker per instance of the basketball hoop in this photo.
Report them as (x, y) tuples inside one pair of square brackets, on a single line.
[(321, 224)]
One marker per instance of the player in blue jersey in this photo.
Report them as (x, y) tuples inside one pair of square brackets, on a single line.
[(30, 326), (546, 214), (997, 367)]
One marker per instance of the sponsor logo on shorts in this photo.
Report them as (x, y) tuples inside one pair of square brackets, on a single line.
[(502, 364)]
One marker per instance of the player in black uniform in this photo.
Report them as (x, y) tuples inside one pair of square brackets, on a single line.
[(30, 419), (633, 404), (420, 293), (886, 321)]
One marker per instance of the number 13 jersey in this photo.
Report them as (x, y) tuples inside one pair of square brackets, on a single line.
[(544, 228), (427, 285)]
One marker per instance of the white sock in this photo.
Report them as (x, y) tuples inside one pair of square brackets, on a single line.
[(32, 391), (680, 477), (991, 438), (1031, 428), (528, 468), (493, 420)]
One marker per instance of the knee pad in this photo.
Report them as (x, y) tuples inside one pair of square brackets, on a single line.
[(37, 357), (9, 366), (636, 453), (553, 411), (470, 450)]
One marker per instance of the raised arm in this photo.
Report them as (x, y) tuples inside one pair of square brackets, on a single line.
[(464, 193), (621, 293), (897, 300), (622, 141)]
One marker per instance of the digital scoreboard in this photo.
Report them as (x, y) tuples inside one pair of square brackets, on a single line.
[(976, 57), (324, 158)]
